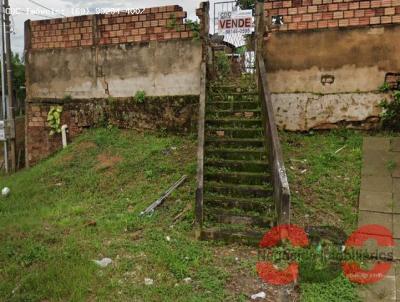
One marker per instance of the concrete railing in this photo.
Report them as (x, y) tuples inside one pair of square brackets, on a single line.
[(281, 190)]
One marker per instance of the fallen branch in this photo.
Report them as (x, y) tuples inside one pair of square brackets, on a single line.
[(161, 200)]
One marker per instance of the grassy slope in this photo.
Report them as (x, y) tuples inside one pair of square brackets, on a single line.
[(325, 184), (47, 241), (108, 177)]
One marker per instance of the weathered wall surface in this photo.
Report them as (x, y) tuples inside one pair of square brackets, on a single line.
[(326, 62), (94, 65), (173, 114), (305, 111), (158, 68)]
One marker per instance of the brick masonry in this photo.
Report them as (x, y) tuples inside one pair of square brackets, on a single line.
[(319, 14), (153, 24)]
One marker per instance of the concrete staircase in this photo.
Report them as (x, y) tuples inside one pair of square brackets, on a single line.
[(238, 203)]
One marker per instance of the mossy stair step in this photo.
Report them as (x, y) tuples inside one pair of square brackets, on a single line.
[(234, 132), (234, 190), (234, 142), (228, 217), (233, 98), (261, 205), (237, 154), (241, 113), (237, 177), (236, 123), (233, 106), (237, 165)]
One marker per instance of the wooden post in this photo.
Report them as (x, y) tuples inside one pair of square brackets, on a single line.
[(203, 14)]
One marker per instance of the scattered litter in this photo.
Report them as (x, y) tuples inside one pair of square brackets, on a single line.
[(159, 201), (187, 280), (304, 171), (103, 262), (168, 238), (337, 151), (260, 295), (237, 258), (148, 281), (5, 192), (174, 148)]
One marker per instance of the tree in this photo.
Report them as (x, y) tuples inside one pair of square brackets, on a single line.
[(18, 67), (246, 4)]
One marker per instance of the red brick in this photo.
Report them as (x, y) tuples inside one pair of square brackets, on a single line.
[(307, 17), (343, 22), (359, 13), (312, 9), (354, 21), (386, 19), (317, 16), (333, 23), (349, 14), (327, 16), (375, 20), (364, 20), (293, 26), (390, 11), (369, 13), (322, 24), (343, 6), (322, 8), (292, 11), (283, 11), (338, 15), (333, 7), (386, 3), (312, 25), (376, 3)]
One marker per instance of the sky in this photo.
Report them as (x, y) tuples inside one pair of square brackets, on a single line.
[(29, 9)]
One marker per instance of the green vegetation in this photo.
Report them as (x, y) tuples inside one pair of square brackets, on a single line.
[(84, 204), (390, 116), (194, 26), (19, 75), (324, 171), (140, 96), (54, 119), (223, 64), (246, 4)]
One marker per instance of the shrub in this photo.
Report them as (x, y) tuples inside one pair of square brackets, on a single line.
[(140, 96), (390, 117)]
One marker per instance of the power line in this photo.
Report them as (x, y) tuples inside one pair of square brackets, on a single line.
[(42, 6)]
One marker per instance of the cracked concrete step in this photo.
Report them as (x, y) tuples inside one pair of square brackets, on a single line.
[(229, 217), (238, 165), (234, 142), (239, 123), (233, 106), (241, 113), (237, 177), (237, 154), (246, 191), (235, 132), (261, 205)]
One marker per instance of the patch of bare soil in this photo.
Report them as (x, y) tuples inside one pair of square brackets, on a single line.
[(107, 161), (239, 262)]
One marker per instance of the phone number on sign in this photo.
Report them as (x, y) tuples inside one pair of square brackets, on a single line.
[(129, 11)]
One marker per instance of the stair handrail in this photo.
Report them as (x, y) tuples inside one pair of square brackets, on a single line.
[(281, 189), (203, 14)]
